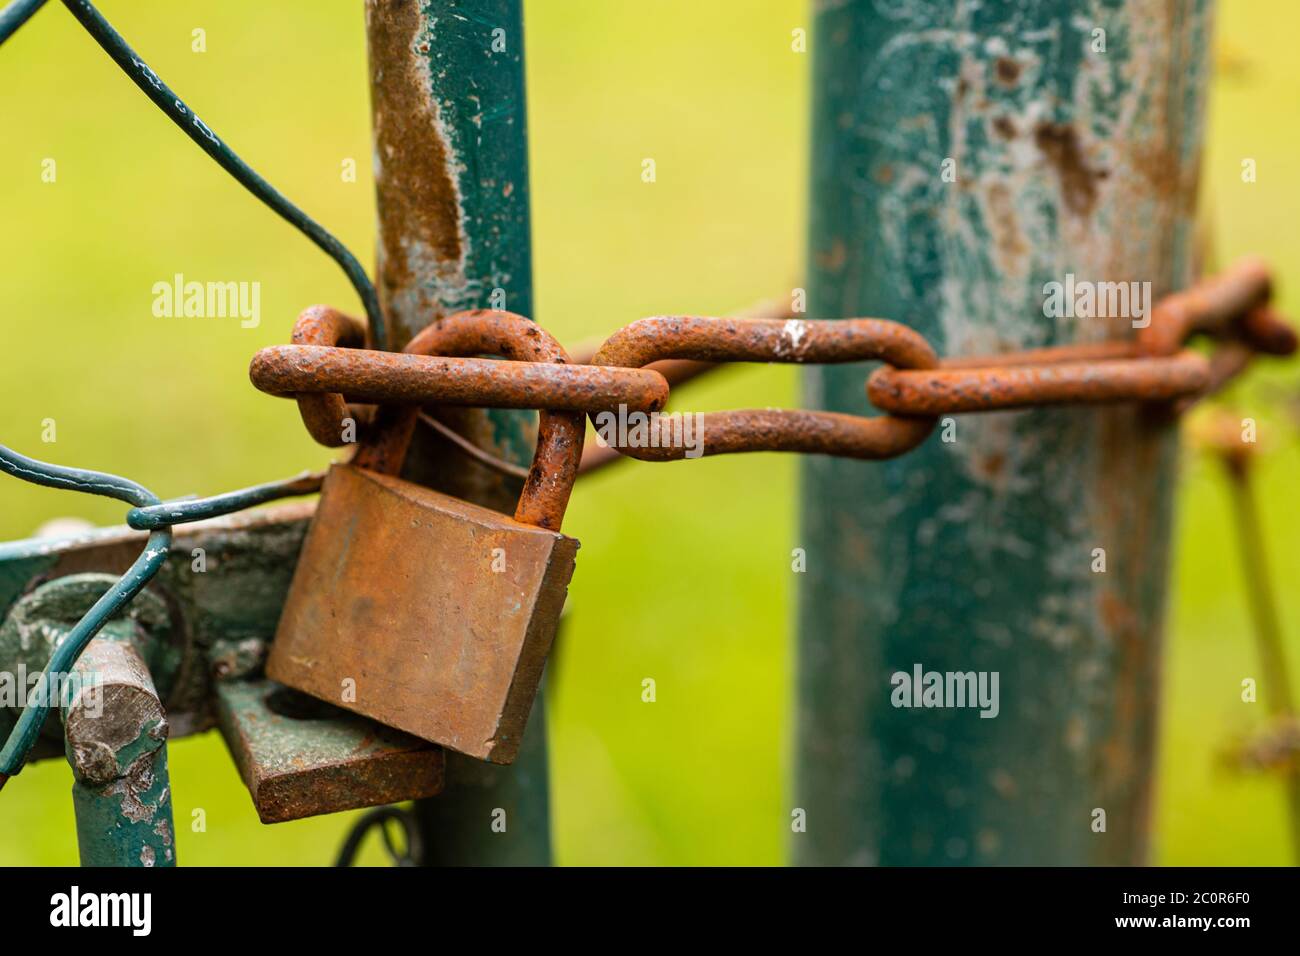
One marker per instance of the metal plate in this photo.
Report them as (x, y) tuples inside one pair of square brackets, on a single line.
[(300, 757)]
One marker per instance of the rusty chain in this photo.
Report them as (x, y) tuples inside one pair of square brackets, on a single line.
[(326, 368)]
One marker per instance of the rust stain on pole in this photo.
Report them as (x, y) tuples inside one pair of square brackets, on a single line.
[(422, 241), (451, 172)]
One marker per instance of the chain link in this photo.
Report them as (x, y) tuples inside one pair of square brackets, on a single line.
[(913, 387)]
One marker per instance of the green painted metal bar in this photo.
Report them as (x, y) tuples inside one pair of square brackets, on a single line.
[(23, 736), (46, 586), (451, 169), (116, 741), (109, 835), (964, 155)]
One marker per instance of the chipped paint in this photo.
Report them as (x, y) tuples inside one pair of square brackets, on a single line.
[(128, 822), (437, 188), (255, 551), (792, 336), (975, 553), (452, 185), (116, 740), (424, 248)]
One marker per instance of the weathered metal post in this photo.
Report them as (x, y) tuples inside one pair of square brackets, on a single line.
[(116, 740), (451, 170), (965, 155), (114, 728)]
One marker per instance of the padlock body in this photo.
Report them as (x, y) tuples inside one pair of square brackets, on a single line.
[(423, 612)]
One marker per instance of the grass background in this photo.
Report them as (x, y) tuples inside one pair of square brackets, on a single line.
[(685, 569)]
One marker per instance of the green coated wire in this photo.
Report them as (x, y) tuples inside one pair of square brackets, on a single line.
[(149, 512), (153, 517), (193, 127), (15, 15), (20, 11), (25, 733)]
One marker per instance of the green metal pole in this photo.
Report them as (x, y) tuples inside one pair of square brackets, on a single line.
[(966, 154), (116, 741), (451, 169), (114, 831)]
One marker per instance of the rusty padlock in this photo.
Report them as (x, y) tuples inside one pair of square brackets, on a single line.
[(424, 612)]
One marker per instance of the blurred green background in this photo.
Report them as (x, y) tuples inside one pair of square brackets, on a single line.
[(684, 574)]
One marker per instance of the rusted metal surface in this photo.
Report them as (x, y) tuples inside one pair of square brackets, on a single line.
[(1025, 383), (1266, 331), (554, 469), (451, 174), (324, 365), (703, 338), (1231, 306), (491, 332), (679, 371), (324, 413), (402, 378), (549, 481), (474, 332), (792, 430), (455, 653), (1210, 306), (674, 349), (546, 492), (300, 757), (675, 371), (535, 374)]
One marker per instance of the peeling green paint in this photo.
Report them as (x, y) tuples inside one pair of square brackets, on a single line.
[(248, 562), (128, 823), (976, 555)]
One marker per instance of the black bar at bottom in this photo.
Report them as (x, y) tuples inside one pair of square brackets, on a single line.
[(267, 906)]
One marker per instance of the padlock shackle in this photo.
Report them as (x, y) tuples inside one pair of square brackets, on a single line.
[(324, 413), (560, 434)]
